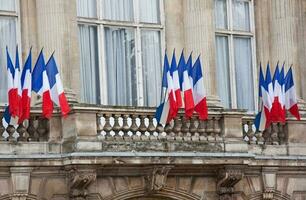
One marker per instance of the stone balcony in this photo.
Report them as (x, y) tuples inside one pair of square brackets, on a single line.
[(134, 131)]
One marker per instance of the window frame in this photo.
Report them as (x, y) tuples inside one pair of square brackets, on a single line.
[(230, 33), (137, 26), (16, 15)]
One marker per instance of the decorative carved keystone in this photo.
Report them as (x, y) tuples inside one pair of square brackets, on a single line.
[(79, 182), (269, 182), (156, 178), (227, 178)]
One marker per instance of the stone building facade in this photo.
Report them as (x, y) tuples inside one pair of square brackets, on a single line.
[(111, 150)]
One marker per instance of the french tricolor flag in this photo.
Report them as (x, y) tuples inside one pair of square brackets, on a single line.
[(176, 81), (278, 109), (187, 88), (56, 86), (261, 122), (167, 110), (26, 85), (290, 95), (12, 86), (199, 94), (40, 85)]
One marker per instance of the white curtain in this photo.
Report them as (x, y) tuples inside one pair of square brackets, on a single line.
[(151, 67), (241, 15), (89, 71), (8, 38), (121, 10), (221, 14), (87, 8), (149, 11), (8, 5), (223, 80), (244, 73), (120, 66)]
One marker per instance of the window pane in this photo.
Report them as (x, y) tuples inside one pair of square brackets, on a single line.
[(121, 10), (87, 8), (89, 64), (241, 15), (151, 67), (7, 5), (8, 38), (149, 11), (244, 73), (223, 81), (221, 14), (120, 66)]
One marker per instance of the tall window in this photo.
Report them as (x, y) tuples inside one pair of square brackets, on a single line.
[(8, 27), (235, 53), (120, 47)]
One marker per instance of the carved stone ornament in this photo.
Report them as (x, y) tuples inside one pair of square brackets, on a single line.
[(79, 182), (227, 178), (156, 178), (268, 194)]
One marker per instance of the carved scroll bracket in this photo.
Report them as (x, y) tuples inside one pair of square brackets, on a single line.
[(79, 180), (228, 177), (156, 178)]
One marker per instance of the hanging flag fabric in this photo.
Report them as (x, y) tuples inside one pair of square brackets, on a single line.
[(56, 86), (40, 85), (261, 117), (12, 87), (17, 83), (187, 89), (180, 69), (8, 119), (268, 94), (199, 94), (26, 85), (290, 95), (277, 111), (167, 109), (176, 82)]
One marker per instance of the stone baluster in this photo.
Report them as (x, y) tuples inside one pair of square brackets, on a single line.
[(134, 127), (267, 135), (125, 126), (193, 128), (160, 130), (116, 127), (22, 132), (217, 128), (2, 130), (31, 130), (42, 129), (274, 134), (151, 127), (10, 130), (202, 130), (99, 125), (281, 134), (250, 133), (210, 130), (184, 127), (177, 126), (142, 127), (107, 126), (168, 130)]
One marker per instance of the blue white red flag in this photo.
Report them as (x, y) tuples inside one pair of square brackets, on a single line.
[(56, 86), (290, 95), (261, 121), (199, 94), (40, 85), (26, 85), (176, 82), (187, 88), (12, 86), (167, 110), (278, 109)]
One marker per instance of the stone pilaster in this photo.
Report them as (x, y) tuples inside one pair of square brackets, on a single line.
[(57, 31), (21, 177), (269, 182), (199, 37)]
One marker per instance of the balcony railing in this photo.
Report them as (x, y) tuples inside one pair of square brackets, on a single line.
[(107, 128)]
